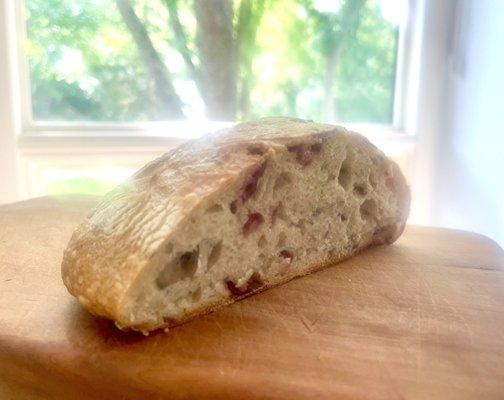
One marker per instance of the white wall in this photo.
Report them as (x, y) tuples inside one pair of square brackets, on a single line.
[(8, 110), (470, 163)]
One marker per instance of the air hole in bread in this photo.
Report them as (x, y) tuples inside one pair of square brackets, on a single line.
[(233, 207), (301, 224), (256, 149), (214, 255), (368, 209), (344, 176), (261, 242), (360, 189), (372, 180), (277, 212), (189, 262), (184, 266), (215, 208), (196, 295), (317, 212), (162, 281), (343, 217), (281, 239), (282, 181)]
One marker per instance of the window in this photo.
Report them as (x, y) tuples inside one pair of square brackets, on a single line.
[(139, 60), (98, 88)]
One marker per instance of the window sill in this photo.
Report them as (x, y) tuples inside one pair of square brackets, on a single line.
[(151, 138)]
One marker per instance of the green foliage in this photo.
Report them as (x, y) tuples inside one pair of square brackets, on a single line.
[(365, 79), (286, 64), (84, 65), (80, 184)]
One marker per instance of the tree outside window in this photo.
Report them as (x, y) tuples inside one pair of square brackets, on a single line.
[(157, 60)]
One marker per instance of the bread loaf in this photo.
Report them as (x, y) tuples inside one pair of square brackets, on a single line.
[(230, 214)]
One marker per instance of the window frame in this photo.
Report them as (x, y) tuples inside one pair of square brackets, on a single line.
[(24, 138), (32, 127)]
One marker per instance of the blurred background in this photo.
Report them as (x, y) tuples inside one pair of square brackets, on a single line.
[(93, 89)]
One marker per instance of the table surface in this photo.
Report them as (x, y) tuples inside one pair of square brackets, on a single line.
[(423, 318)]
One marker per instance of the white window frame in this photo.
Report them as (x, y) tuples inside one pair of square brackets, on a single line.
[(417, 113)]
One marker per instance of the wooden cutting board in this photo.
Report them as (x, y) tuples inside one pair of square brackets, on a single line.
[(421, 319)]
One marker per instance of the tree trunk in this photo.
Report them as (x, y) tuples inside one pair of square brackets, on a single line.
[(250, 13), (349, 23), (217, 57), (170, 103), (180, 40)]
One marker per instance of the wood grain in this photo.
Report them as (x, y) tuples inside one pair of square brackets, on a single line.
[(421, 319)]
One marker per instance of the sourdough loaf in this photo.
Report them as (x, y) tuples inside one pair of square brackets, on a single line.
[(230, 214)]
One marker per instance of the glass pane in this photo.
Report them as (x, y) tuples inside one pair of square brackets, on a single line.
[(139, 60)]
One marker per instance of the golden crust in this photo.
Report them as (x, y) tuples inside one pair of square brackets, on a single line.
[(109, 250)]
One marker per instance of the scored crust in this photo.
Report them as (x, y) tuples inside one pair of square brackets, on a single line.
[(111, 253)]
